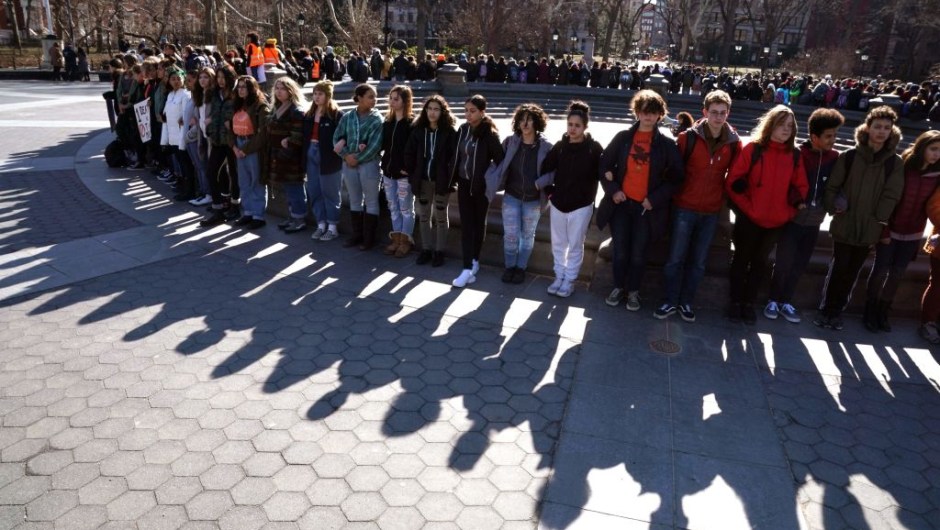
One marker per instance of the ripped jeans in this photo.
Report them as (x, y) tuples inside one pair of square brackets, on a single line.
[(401, 204), (520, 219), (432, 207)]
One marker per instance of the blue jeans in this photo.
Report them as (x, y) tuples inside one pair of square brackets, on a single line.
[(323, 191), (520, 219), (254, 194), (296, 199), (401, 204), (362, 184), (200, 164), (692, 235), (630, 236)]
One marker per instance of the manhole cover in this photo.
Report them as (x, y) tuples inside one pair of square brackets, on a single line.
[(665, 347)]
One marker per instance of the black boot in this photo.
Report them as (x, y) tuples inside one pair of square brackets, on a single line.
[(883, 308), (369, 224), (356, 237), (871, 316)]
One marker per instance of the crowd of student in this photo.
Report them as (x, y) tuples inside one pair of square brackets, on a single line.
[(220, 140)]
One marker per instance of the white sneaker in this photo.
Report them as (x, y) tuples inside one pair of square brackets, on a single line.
[(202, 201), (475, 268), (553, 288), (466, 277), (566, 289), (330, 234), (318, 233)]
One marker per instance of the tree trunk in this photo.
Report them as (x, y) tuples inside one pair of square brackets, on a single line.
[(609, 32), (208, 28), (422, 22), (14, 8), (730, 25)]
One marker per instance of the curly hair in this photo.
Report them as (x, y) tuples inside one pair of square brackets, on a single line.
[(530, 110), (648, 101), (446, 120), (883, 112), (255, 94), (824, 119)]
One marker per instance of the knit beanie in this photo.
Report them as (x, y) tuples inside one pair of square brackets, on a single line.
[(325, 86)]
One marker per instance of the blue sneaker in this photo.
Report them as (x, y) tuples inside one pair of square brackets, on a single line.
[(771, 310), (790, 313)]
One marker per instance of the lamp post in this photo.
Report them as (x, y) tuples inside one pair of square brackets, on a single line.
[(672, 51), (779, 57), (766, 60), (636, 48), (737, 53), (301, 20), (691, 53), (386, 30), (864, 59), (574, 42), (554, 41)]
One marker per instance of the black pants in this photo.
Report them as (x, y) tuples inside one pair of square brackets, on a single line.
[(222, 174), (847, 261), (188, 176), (752, 246), (794, 249), (472, 205)]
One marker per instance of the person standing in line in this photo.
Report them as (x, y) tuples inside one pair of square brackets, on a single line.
[(799, 236), (324, 169), (569, 178), (398, 192), (930, 301), (767, 185), (478, 146), (901, 238), (641, 169), (865, 186), (432, 144), (221, 165), (247, 139), (358, 140), (709, 147), (525, 151)]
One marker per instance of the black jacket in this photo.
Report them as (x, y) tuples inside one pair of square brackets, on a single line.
[(416, 166), (395, 134), (666, 175), (575, 168), (488, 150), (330, 162)]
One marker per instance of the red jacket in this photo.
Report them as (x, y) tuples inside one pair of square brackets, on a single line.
[(910, 215), (767, 199), (703, 188)]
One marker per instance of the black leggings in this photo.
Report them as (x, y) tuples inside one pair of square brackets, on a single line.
[(472, 205), (222, 173), (752, 246)]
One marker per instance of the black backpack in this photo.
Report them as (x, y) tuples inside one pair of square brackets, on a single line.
[(114, 154)]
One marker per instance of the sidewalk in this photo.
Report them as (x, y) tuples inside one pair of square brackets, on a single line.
[(160, 375)]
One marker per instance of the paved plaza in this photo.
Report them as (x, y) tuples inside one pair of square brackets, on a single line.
[(154, 374)]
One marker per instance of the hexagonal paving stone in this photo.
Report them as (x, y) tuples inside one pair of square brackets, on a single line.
[(51, 505), (286, 506), (148, 477), (294, 478), (131, 505), (233, 452), (479, 518), (253, 490), (515, 505), (178, 490), (192, 464), (328, 492), (222, 477), (48, 463), (302, 453), (476, 492), (272, 441), (400, 518), (440, 506), (208, 505), (333, 465), (438, 479), (263, 464), (87, 517), (102, 490), (403, 466), (243, 518), (363, 506), (163, 518), (164, 452), (74, 476), (510, 478), (402, 492)]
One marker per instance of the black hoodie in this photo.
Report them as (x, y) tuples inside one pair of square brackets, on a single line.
[(576, 168)]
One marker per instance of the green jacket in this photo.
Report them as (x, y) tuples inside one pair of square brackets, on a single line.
[(869, 193), (369, 132), (221, 111)]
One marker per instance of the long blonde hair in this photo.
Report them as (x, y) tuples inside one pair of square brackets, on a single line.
[(293, 90), (771, 120)]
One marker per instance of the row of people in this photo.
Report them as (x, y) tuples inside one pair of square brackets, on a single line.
[(651, 184)]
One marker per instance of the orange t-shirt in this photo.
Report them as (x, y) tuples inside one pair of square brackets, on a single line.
[(636, 178), (241, 124)]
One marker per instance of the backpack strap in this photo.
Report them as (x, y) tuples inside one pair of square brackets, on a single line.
[(689, 145), (755, 156)]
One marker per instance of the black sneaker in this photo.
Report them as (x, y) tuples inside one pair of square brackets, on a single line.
[(734, 312), (748, 315), (685, 311), (424, 257), (664, 311), (822, 320), (437, 258), (518, 276), (242, 221), (255, 224), (233, 212), (836, 323), (284, 224), (215, 217)]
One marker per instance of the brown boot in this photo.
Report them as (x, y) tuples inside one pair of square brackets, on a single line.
[(393, 246), (404, 246)]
